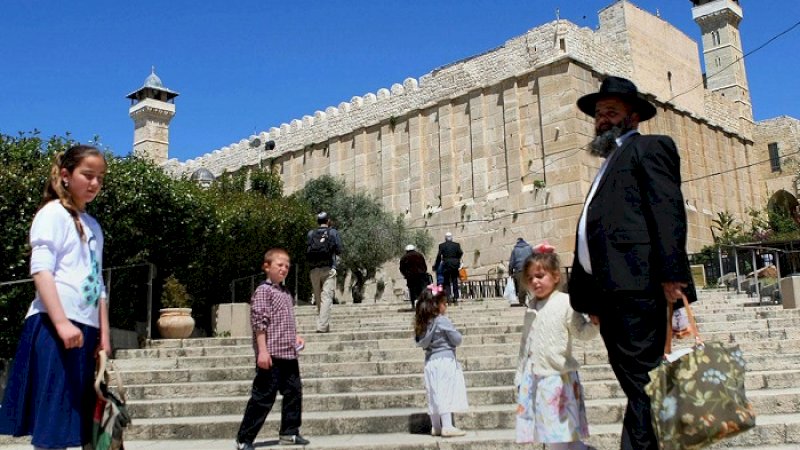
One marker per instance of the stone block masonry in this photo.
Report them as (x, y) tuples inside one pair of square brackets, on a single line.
[(491, 147)]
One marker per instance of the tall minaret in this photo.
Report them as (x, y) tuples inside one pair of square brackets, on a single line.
[(152, 108), (722, 51)]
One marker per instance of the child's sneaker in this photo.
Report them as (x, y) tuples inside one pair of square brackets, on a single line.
[(453, 432), (435, 432)]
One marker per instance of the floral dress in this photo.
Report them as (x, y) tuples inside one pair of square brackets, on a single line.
[(550, 408)]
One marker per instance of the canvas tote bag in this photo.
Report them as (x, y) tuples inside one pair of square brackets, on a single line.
[(697, 395), (110, 415)]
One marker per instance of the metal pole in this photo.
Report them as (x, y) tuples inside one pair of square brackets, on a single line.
[(736, 262), (233, 291), (150, 277), (719, 255), (755, 275), (778, 267)]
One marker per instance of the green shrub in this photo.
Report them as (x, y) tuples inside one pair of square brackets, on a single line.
[(174, 295)]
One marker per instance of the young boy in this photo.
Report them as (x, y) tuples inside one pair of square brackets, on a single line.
[(276, 345)]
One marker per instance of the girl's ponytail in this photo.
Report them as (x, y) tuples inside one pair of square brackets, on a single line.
[(427, 308)]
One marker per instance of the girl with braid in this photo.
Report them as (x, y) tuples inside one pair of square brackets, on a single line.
[(49, 394)]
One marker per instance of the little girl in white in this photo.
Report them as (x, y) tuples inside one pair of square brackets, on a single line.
[(551, 407), (444, 379), (49, 394)]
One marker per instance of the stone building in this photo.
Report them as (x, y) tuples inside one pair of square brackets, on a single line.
[(492, 147), (778, 140)]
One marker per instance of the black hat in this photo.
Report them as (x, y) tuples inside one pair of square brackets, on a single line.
[(621, 88)]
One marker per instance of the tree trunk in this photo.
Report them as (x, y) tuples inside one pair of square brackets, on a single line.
[(357, 286)]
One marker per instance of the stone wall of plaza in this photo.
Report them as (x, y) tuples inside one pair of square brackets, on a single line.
[(492, 147), (785, 132)]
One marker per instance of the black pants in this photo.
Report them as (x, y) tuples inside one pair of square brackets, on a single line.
[(521, 286), (283, 377), (451, 283), (634, 330), (416, 284)]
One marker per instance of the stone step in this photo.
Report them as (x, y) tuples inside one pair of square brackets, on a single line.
[(180, 372), (379, 313), (600, 384), (772, 429), (312, 345), (600, 407), (465, 318), (779, 432), (304, 309), (228, 346), (335, 342), (587, 352)]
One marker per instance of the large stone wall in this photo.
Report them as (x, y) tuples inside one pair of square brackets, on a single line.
[(492, 147)]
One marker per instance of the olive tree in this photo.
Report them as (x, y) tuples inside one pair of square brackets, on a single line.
[(371, 236)]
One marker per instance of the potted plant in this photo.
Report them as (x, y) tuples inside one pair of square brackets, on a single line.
[(176, 320)]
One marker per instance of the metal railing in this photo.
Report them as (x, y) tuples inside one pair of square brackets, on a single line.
[(493, 287), (242, 288), (124, 286), (482, 288)]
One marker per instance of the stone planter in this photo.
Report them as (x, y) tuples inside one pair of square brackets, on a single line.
[(175, 323)]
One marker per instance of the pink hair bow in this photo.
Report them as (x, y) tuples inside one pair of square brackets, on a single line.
[(435, 288), (544, 247)]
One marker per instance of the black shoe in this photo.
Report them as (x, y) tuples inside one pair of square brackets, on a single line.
[(244, 446), (293, 439)]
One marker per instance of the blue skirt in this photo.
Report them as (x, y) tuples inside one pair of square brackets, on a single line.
[(50, 394)]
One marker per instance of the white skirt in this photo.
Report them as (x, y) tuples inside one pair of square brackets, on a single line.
[(444, 384)]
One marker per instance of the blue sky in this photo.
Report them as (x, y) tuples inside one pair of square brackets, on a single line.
[(242, 67)]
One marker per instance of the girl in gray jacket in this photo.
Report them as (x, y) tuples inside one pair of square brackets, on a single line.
[(444, 379)]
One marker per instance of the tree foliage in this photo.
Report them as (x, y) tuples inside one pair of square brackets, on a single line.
[(205, 238), (725, 229), (371, 236), (24, 167)]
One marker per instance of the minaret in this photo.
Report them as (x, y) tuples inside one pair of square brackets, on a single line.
[(152, 108), (722, 51)]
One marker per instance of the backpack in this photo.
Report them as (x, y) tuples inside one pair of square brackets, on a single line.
[(320, 248)]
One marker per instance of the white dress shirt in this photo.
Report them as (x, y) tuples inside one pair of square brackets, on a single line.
[(583, 243)]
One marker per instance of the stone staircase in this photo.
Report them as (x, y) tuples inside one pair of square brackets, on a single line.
[(363, 386)]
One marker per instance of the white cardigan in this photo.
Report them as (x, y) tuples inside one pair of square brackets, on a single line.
[(547, 340)]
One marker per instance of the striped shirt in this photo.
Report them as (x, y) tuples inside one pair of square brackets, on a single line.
[(272, 310)]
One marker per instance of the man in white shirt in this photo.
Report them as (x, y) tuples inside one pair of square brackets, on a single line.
[(630, 251)]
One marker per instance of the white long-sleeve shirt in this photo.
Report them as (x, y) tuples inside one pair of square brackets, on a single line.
[(76, 264)]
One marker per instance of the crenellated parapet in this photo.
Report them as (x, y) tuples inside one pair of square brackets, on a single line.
[(538, 47)]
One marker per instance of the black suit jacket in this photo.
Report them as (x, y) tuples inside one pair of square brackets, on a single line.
[(635, 226), (450, 255)]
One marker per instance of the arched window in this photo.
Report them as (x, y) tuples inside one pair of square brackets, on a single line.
[(715, 37)]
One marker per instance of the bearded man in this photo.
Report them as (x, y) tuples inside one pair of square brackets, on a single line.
[(630, 252)]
